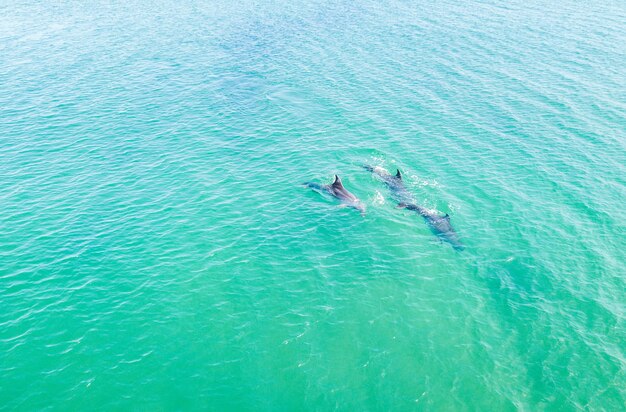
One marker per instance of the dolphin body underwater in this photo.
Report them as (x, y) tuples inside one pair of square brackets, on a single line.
[(337, 190), (439, 225)]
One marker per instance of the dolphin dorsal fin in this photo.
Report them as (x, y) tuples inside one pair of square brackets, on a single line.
[(337, 183), (398, 174), (447, 216)]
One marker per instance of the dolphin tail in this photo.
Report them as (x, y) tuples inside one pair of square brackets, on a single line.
[(312, 185), (412, 206), (368, 168)]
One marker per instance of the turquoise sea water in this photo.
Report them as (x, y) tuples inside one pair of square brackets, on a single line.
[(157, 251)]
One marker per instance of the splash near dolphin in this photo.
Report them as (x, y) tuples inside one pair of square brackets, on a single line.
[(337, 190), (439, 225)]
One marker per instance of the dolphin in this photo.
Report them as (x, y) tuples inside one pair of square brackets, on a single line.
[(439, 225), (337, 190), (393, 182)]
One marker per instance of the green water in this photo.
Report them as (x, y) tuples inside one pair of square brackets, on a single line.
[(158, 252)]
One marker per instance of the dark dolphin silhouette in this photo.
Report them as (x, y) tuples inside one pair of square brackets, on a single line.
[(337, 190), (439, 225), (394, 184)]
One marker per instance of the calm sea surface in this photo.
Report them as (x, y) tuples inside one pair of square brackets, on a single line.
[(158, 251)]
